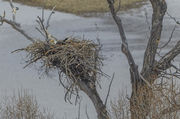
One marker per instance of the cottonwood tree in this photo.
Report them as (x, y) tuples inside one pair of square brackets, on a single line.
[(152, 69), (141, 82)]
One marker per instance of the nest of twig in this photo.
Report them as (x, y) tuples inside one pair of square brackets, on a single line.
[(78, 59)]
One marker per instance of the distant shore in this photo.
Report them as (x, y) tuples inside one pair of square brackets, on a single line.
[(80, 6)]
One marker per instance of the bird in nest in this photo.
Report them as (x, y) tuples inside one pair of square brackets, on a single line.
[(14, 9), (53, 40)]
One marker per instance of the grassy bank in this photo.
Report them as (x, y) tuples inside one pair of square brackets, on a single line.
[(79, 6)]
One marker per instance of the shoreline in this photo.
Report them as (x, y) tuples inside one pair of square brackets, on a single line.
[(86, 8)]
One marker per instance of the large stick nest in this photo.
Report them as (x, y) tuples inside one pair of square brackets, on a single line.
[(78, 59)]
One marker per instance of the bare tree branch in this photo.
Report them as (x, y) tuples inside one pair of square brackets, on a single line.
[(14, 9), (94, 96), (79, 110), (87, 113), (159, 10), (109, 89), (43, 30), (41, 23), (17, 27), (170, 38), (173, 18), (13, 23), (125, 49), (48, 20), (165, 62)]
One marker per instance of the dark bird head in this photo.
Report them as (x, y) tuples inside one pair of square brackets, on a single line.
[(17, 8)]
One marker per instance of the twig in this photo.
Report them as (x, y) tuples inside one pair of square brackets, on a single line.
[(87, 113), (43, 27), (48, 20), (40, 32), (170, 38), (109, 89), (79, 110), (145, 81), (147, 22), (173, 18), (119, 6), (42, 17), (17, 27), (14, 9), (165, 62)]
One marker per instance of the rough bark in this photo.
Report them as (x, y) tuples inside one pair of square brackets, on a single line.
[(165, 62), (159, 10), (91, 91), (141, 100), (125, 49), (141, 91)]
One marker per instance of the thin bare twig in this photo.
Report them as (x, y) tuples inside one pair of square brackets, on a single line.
[(17, 27), (165, 62), (148, 84), (41, 22), (170, 38), (14, 9), (87, 113), (119, 6), (40, 32), (146, 18), (79, 110), (173, 18), (48, 20), (109, 89)]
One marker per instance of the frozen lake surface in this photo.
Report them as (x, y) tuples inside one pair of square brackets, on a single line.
[(47, 89)]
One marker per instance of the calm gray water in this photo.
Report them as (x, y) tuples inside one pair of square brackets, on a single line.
[(14, 77)]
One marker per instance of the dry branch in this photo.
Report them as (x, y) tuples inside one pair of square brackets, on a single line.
[(159, 10), (105, 103), (142, 92), (173, 18), (165, 62), (125, 49), (13, 23), (17, 27)]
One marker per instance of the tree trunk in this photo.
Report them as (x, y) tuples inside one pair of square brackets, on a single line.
[(140, 101), (95, 98)]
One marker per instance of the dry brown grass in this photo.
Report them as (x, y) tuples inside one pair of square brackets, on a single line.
[(165, 103), (79, 6), (22, 106)]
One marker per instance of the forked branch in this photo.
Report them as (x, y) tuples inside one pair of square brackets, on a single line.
[(17, 27), (13, 23)]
